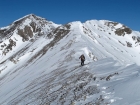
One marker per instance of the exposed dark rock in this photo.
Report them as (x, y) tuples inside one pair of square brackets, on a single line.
[(2, 45), (138, 39), (22, 34), (111, 75), (127, 30), (2, 33), (134, 37), (32, 40), (111, 23), (33, 25), (28, 31), (9, 46), (129, 44), (50, 35), (121, 31), (68, 26), (25, 33)]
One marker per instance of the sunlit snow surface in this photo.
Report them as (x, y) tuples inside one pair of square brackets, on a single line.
[(53, 76)]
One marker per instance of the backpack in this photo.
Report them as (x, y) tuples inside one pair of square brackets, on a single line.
[(82, 57)]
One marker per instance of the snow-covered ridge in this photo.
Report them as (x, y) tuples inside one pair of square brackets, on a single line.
[(39, 63)]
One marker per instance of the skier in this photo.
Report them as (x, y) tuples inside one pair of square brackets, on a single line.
[(82, 59)]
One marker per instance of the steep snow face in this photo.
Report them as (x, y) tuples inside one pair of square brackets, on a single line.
[(114, 40), (40, 63)]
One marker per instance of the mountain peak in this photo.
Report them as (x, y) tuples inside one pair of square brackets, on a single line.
[(29, 16), (30, 22), (34, 16)]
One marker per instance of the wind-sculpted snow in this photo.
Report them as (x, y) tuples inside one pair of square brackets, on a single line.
[(40, 65), (95, 83)]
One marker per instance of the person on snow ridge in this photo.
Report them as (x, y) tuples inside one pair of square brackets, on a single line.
[(82, 57)]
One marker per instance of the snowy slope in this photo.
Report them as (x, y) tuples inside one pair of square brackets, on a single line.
[(40, 63)]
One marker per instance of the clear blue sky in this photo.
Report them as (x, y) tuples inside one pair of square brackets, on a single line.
[(63, 11)]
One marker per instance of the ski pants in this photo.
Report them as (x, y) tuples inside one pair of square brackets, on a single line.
[(82, 62)]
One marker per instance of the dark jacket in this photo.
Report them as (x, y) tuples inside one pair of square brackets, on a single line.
[(82, 57)]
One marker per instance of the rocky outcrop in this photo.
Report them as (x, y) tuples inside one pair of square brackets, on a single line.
[(9, 46), (123, 30), (25, 33), (129, 44)]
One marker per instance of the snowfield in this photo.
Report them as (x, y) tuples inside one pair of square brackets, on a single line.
[(40, 65)]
